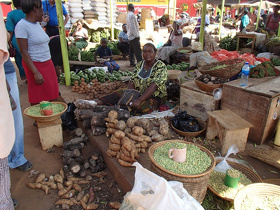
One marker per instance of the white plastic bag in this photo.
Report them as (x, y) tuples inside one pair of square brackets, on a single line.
[(152, 192), (223, 166)]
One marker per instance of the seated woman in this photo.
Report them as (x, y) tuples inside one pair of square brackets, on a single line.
[(149, 78), (106, 56), (123, 44), (81, 35), (174, 42)]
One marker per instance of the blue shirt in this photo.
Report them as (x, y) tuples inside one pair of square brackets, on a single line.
[(123, 35), (245, 20), (101, 51), (52, 12)]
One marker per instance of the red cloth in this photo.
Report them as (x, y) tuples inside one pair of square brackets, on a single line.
[(49, 89)]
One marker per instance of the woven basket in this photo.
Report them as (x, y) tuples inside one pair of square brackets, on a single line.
[(233, 68), (46, 119), (253, 176), (179, 50), (202, 124), (206, 87), (196, 185), (257, 190), (173, 74)]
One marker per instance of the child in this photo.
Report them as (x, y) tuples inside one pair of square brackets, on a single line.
[(106, 56)]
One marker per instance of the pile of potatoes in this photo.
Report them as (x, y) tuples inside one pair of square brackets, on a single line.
[(70, 190), (128, 139)]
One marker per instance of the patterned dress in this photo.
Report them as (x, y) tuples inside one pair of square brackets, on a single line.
[(142, 80)]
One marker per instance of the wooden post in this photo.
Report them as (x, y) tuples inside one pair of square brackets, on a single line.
[(174, 9), (278, 34), (112, 24), (222, 17), (63, 44), (259, 12), (202, 24)]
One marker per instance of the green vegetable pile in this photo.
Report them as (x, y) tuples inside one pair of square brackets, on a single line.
[(265, 69), (100, 75), (217, 182), (261, 203), (196, 162), (275, 61), (36, 110), (233, 173), (273, 41), (219, 67), (228, 43), (181, 66), (73, 54)]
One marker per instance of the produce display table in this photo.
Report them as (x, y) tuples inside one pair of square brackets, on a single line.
[(248, 36), (229, 127), (258, 103)]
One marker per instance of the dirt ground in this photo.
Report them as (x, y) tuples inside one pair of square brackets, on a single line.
[(51, 163)]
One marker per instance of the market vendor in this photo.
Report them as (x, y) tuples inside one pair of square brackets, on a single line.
[(244, 21), (81, 35), (123, 44), (149, 78), (106, 56), (273, 19), (174, 42)]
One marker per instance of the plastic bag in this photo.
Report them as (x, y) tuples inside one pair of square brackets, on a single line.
[(185, 122), (152, 192), (68, 117), (223, 166), (85, 104)]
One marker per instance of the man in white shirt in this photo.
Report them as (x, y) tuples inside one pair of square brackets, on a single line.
[(133, 36)]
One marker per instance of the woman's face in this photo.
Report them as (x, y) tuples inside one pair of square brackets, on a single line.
[(149, 54), (39, 13)]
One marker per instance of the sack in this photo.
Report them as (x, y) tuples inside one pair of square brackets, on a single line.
[(152, 192), (68, 117), (223, 166), (12, 52), (128, 96)]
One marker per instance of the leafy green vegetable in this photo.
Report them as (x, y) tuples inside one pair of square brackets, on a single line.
[(228, 43)]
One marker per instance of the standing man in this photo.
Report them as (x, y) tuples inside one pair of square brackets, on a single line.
[(133, 36), (244, 21), (7, 131), (49, 9)]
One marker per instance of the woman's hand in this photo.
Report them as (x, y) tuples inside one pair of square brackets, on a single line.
[(38, 78), (136, 103)]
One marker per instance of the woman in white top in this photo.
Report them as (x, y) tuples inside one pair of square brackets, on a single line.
[(33, 44), (81, 35)]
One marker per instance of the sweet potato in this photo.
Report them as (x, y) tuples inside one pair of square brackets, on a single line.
[(92, 206), (111, 125), (115, 121), (145, 124), (68, 183), (131, 122), (115, 205), (125, 151), (66, 201), (126, 142), (126, 158), (60, 186), (134, 137), (157, 137), (85, 198), (146, 138), (119, 134), (35, 185), (114, 147), (121, 125), (137, 130), (111, 130), (45, 188), (65, 206), (77, 187), (144, 144), (152, 132), (69, 194), (80, 195), (99, 174), (127, 130), (124, 163), (40, 177), (111, 153), (143, 150), (112, 115), (163, 127), (84, 205), (115, 140)]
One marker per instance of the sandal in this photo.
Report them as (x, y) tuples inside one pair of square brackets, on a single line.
[(15, 202), (25, 167)]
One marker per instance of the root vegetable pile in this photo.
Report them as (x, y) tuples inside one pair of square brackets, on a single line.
[(128, 139), (196, 162), (217, 183)]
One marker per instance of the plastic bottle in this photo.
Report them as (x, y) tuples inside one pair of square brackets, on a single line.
[(245, 74)]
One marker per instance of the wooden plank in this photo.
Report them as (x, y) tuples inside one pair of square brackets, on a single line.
[(270, 88), (258, 122), (229, 120), (251, 82), (197, 103)]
